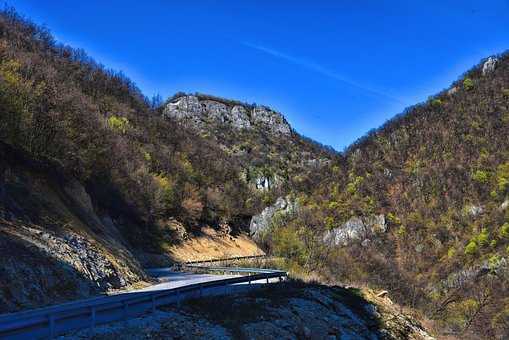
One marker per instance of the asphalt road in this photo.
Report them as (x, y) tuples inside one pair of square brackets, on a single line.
[(170, 279), (37, 323)]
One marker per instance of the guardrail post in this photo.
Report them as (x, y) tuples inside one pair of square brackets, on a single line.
[(92, 317), (267, 280), (51, 321)]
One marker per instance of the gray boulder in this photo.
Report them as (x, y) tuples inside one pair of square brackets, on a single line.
[(452, 91), (489, 65), (473, 210), (356, 229), (184, 108), (261, 222), (215, 111), (239, 117), (504, 205), (271, 119), (464, 277)]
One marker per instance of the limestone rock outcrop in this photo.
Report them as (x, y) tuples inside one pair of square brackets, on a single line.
[(261, 222), (199, 111), (489, 65), (356, 229)]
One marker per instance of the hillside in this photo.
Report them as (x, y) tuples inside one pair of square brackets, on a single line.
[(420, 207), (97, 182)]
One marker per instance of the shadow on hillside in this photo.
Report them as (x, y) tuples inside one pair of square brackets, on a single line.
[(276, 304), (30, 278)]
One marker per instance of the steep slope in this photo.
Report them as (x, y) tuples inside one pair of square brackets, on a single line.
[(420, 207), (53, 244)]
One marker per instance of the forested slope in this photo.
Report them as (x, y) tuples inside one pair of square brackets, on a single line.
[(420, 207), (96, 182)]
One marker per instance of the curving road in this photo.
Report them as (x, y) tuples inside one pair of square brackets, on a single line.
[(173, 287)]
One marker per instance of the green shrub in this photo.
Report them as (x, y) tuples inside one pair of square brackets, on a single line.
[(120, 124), (401, 231), (471, 248), (354, 185), (481, 176), (468, 84), (504, 231), (451, 252), (494, 261), (287, 243), (330, 222), (436, 102), (483, 237), (503, 177), (392, 218)]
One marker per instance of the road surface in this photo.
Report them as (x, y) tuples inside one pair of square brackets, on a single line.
[(58, 319)]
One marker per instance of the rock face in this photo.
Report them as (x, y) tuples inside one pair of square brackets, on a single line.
[(452, 91), (498, 269), (489, 65), (58, 247), (199, 111), (261, 222), (60, 267), (356, 229)]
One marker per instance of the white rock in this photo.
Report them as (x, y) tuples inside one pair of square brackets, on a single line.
[(489, 65), (240, 117), (196, 111), (355, 228), (215, 111), (504, 205), (452, 91), (474, 210), (271, 119), (261, 222)]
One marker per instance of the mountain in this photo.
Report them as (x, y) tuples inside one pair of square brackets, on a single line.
[(201, 111), (259, 139), (419, 207), (95, 182)]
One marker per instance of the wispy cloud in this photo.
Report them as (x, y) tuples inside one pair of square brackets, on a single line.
[(310, 65)]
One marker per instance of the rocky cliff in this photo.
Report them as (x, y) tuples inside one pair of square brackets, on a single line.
[(199, 111), (54, 244)]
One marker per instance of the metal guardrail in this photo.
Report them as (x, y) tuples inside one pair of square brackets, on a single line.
[(51, 321), (228, 259)]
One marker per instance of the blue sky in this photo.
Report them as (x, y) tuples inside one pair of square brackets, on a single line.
[(335, 69)]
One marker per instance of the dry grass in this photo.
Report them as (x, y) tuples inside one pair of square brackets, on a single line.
[(214, 245)]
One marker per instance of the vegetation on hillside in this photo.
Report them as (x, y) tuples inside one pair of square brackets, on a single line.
[(439, 173), (60, 106)]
